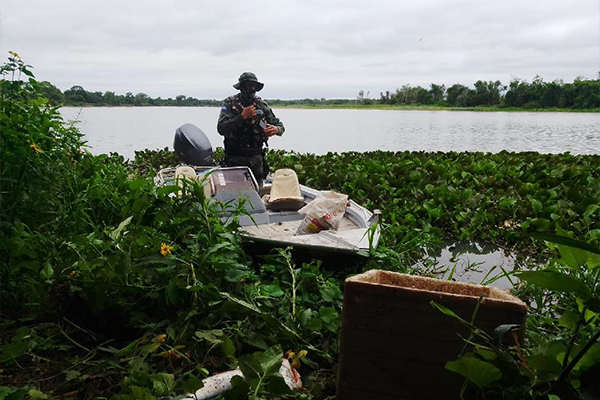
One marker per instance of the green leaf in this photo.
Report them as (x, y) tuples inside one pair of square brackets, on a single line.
[(163, 384), (47, 272), (272, 290), (536, 205), (507, 203), (173, 292), (569, 319), (590, 210), (276, 386), (137, 183), (557, 281), (540, 224), (228, 347), (590, 359), (35, 394), (574, 253), (167, 190), (481, 373), (447, 311), (261, 364), (116, 234), (213, 336), (567, 241), (192, 384), (70, 375), (328, 314), (545, 363)]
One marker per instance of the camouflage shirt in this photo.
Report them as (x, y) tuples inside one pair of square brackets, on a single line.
[(245, 137)]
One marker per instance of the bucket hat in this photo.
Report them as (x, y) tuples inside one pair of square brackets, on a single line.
[(249, 77)]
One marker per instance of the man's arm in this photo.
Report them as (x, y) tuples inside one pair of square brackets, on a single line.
[(272, 119), (229, 120)]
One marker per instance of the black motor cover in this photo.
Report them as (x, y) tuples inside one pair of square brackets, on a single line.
[(192, 146)]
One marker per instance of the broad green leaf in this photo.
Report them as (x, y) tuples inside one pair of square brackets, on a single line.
[(167, 190), (116, 233), (507, 203), (47, 272), (574, 253), (567, 241), (35, 394), (590, 358), (590, 210), (228, 347), (556, 281), (140, 393), (163, 384), (261, 364), (546, 365), (328, 314), (569, 319), (540, 224), (536, 205), (276, 386), (137, 183), (192, 384), (213, 336), (481, 373), (272, 290)]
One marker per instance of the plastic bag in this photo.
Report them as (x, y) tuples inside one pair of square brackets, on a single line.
[(324, 212)]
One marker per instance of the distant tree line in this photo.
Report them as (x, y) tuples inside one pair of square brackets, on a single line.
[(78, 96), (580, 94)]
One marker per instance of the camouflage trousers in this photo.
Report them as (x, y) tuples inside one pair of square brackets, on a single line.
[(255, 163)]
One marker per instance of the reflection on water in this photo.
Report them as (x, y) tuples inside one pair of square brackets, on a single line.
[(472, 262), (126, 129)]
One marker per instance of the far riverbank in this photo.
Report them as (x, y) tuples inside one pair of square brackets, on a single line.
[(275, 104)]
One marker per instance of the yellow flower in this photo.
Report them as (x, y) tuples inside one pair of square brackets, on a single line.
[(165, 249), (14, 54), (36, 148), (73, 273)]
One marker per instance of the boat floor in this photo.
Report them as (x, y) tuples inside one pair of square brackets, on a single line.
[(348, 236)]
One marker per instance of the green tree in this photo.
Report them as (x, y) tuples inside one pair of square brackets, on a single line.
[(437, 92), (76, 94), (52, 93)]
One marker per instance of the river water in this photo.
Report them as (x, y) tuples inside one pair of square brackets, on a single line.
[(127, 129)]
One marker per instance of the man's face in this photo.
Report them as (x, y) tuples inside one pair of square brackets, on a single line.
[(248, 89)]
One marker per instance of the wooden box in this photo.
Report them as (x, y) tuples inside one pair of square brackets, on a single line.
[(394, 344)]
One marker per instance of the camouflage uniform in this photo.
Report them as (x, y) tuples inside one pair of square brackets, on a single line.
[(243, 139)]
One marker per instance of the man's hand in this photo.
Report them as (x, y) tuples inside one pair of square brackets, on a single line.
[(248, 112), (271, 130)]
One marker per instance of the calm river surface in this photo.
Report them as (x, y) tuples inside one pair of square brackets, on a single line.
[(127, 129)]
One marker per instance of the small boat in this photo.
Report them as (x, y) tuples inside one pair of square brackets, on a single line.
[(270, 215)]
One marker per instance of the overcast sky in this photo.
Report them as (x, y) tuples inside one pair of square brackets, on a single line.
[(299, 49)]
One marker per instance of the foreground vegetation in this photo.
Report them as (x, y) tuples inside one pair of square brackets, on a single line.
[(111, 288)]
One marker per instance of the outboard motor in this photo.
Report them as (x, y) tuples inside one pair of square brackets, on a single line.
[(192, 146)]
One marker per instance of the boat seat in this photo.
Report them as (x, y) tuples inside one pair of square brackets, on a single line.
[(253, 204), (285, 191), (189, 173)]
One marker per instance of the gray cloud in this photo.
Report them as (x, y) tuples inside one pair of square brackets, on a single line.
[(299, 48)]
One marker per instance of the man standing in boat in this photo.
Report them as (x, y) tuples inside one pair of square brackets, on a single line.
[(246, 122)]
